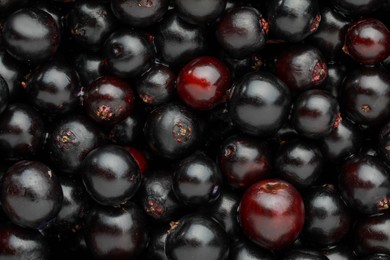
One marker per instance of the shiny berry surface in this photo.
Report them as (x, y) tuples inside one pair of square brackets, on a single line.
[(203, 83), (12, 72), (367, 41), (301, 67), (198, 237), (31, 35), (109, 100), (89, 67), (272, 213), (364, 183), (200, 12), (356, 8), (4, 94), (254, 98), (244, 161), (315, 114), (31, 194), (110, 175)]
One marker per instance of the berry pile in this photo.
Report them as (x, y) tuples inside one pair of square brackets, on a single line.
[(195, 129)]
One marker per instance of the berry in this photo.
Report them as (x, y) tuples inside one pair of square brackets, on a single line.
[(200, 12), (203, 83)]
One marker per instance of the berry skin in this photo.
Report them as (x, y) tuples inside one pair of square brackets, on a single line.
[(292, 20), (139, 13), (197, 181), (109, 100), (366, 96), (315, 114), (31, 35), (243, 249), (203, 83), (22, 243), (116, 233), (172, 131), (272, 214), (89, 67), (110, 175), (12, 72), (200, 12), (244, 161), (31, 194), (364, 183), (356, 8), (367, 41), (242, 32), (4, 94), (301, 67), (129, 53), (255, 97), (196, 237), (89, 23)]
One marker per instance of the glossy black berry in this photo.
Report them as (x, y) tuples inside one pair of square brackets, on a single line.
[(243, 249), (244, 161), (356, 8), (200, 12), (198, 237), (384, 143), (335, 77), (128, 53), (330, 35), (292, 20), (156, 86), (31, 35), (242, 32), (339, 252), (299, 162), (109, 100), (21, 132), (372, 235), (158, 198), (127, 132), (364, 183), (30, 194), (256, 96), (89, 23), (178, 42), (304, 254), (156, 246), (116, 233), (110, 175), (197, 180), (139, 13), (54, 88), (172, 131), (301, 67), (22, 243), (315, 114), (327, 217), (71, 139), (366, 95)]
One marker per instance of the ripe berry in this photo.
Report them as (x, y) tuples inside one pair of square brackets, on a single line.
[(89, 67), (109, 100), (172, 131), (139, 13), (292, 20), (200, 12), (272, 213), (12, 72), (203, 83), (196, 237), (242, 32), (30, 194), (315, 114), (31, 35), (356, 8), (110, 175), (129, 53), (255, 97), (244, 161), (4, 94), (367, 41), (301, 67), (243, 249), (364, 183), (197, 181)]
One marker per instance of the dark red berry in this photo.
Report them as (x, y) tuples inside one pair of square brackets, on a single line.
[(203, 83), (367, 41), (272, 213), (109, 100)]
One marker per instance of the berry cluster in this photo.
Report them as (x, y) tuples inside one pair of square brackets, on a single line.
[(195, 129)]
